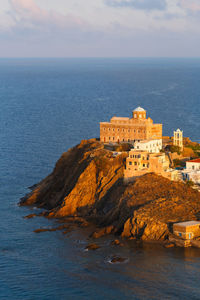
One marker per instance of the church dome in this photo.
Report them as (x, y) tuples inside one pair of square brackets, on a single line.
[(139, 109)]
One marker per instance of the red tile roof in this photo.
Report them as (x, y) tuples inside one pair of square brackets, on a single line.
[(194, 161)]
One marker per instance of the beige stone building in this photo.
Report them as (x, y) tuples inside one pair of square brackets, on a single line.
[(187, 230), (137, 128), (140, 162)]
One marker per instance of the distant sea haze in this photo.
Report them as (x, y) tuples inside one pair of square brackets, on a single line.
[(46, 107)]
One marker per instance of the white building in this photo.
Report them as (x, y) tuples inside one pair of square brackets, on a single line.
[(193, 165), (178, 138), (192, 171), (152, 146)]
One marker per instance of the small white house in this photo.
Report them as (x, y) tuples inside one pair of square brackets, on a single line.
[(152, 146), (192, 171), (193, 165)]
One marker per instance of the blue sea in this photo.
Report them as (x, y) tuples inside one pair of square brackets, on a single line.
[(48, 106)]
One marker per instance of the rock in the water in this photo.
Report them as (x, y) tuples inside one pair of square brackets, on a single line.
[(117, 259), (117, 243), (103, 231), (30, 216), (39, 230), (169, 245), (92, 247)]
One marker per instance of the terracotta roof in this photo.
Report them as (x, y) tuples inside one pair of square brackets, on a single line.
[(194, 161)]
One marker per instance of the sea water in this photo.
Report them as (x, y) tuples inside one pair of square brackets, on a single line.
[(48, 106)]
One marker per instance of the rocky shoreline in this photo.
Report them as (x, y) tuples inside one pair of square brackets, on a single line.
[(86, 187)]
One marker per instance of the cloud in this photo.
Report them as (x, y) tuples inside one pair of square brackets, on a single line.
[(91, 28), (139, 4), (190, 5), (27, 15)]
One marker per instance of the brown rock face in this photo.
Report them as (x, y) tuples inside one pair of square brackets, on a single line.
[(87, 182), (81, 176)]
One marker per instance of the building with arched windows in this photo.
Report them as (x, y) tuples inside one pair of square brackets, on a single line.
[(178, 139), (137, 128)]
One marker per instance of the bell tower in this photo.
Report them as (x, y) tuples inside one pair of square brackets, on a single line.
[(139, 113), (178, 139)]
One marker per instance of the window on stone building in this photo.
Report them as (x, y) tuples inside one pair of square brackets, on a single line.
[(143, 165), (135, 163), (109, 138), (130, 163)]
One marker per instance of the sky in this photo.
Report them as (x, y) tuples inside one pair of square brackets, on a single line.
[(99, 28)]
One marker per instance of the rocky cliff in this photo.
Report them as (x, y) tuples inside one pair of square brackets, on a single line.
[(87, 182)]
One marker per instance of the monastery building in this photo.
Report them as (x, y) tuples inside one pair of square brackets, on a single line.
[(137, 128)]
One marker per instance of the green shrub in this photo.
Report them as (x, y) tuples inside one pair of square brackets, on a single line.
[(178, 163), (173, 148), (195, 147), (190, 183), (123, 147)]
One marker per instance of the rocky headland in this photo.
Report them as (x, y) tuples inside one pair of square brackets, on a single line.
[(87, 186)]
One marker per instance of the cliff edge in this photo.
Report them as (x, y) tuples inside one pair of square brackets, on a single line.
[(87, 182)]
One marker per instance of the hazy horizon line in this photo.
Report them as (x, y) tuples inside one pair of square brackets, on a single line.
[(100, 57)]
